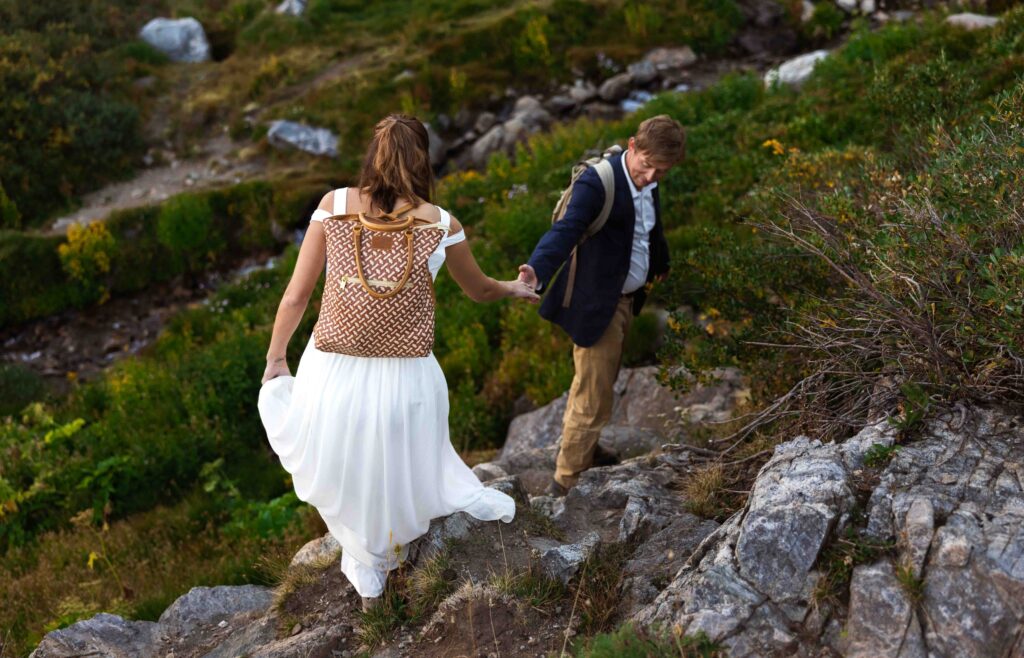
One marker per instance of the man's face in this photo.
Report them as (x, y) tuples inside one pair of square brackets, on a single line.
[(641, 169)]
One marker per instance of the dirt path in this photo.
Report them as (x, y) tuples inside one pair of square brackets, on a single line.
[(217, 165)]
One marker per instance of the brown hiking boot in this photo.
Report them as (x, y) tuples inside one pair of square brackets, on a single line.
[(555, 489)]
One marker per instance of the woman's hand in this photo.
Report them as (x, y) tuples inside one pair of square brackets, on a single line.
[(275, 368), (520, 289)]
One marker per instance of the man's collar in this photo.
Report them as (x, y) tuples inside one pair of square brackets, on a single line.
[(633, 191)]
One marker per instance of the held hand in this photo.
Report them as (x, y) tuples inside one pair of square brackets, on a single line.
[(528, 276), (275, 369), (520, 289)]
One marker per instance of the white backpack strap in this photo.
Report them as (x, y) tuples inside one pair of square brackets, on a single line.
[(340, 200), (446, 219)]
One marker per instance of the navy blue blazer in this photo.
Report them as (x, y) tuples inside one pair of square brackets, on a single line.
[(602, 262)]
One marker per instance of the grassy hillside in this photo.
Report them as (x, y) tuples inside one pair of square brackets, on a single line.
[(911, 117)]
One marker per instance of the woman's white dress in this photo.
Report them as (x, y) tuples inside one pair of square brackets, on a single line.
[(366, 442)]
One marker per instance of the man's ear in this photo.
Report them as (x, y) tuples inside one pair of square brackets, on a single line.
[(631, 144)]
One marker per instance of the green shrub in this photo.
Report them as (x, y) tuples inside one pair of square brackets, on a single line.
[(10, 218), (185, 226), (86, 258), (19, 386)]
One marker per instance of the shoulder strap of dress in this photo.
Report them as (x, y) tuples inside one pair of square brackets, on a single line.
[(446, 219), (340, 200)]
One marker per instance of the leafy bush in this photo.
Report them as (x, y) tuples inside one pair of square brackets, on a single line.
[(933, 268), (185, 227), (85, 257), (63, 134)]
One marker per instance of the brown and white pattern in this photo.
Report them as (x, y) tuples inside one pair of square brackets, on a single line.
[(354, 322)]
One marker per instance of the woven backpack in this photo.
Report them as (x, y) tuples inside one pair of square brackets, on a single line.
[(378, 298), (607, 175)]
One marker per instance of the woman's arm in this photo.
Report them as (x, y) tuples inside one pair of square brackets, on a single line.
[(308, 267), (478, 286)]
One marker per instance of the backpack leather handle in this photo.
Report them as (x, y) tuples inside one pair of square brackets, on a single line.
[(381, 225), (357, 233)]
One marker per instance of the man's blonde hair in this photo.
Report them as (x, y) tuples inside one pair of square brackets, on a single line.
[(663, 139)]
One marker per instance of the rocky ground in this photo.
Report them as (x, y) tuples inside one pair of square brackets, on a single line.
[(867, 548)]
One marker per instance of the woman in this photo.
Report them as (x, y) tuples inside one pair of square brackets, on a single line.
[(366, 439)]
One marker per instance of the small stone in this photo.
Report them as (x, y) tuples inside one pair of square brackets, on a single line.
[(296, 628)]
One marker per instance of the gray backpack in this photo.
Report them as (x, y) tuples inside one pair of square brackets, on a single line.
[(607, 175)]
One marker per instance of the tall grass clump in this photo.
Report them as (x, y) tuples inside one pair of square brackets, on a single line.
[(931, 307)]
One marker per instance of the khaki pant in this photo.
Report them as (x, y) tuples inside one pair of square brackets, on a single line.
[(590, 398)]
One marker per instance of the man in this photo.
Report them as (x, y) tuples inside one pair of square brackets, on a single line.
[(613, 269)]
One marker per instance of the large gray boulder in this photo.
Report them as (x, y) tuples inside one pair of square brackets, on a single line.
[(289, 134), (182, 39), (749, 585), (670, 59), (953, 504), (206, 606), (795, 72), (645, 416), (292, 7), (616, 87), (969, 21), (102, 635), (317, 551)]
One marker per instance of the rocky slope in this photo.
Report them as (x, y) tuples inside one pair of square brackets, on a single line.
[(836, 553)]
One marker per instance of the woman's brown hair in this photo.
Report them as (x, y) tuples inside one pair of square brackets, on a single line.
[(397, 163)]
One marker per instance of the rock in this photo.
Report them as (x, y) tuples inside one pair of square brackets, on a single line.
[(750, 581), (438, 148), (531, 113), (292, 7), (488, 471), (795, 71), (318, 141), (602, 111), (642, 73), (670, 59), (615, 88), (645, 415), (768, 30), (251, 640), (102, 635), (560, 104), (658, 559), (954, 504), (317, 551), (806, 11), (203, 606), (563, 561), (799, 496), (882, 622), (491, 141), (622, 502), (182, 40), (582, 92), (484, 122), (969, 21)]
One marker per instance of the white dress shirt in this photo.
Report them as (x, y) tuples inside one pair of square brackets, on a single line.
[(640, 257)]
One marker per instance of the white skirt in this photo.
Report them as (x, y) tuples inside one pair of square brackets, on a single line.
[(366, 442)]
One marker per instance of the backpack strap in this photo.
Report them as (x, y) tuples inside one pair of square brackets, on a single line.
[(607, 175), (340, 200)]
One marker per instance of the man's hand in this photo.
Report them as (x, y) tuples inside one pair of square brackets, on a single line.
[(528, 276)]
